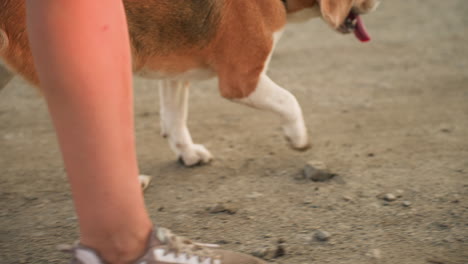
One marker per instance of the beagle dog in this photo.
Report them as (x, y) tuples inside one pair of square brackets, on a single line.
[(178, 41)]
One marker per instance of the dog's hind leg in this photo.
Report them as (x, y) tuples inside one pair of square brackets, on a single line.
[(271, 97), (174, 107)]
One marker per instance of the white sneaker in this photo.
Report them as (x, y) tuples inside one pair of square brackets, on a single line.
[(167, 248)]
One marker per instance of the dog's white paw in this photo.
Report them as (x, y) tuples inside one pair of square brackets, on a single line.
[(296, 133), (195, 154), (144, 181)]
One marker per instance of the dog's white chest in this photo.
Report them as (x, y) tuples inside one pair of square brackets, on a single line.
[(197, 74)]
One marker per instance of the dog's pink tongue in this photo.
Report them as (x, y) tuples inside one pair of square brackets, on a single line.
[(360, 31)]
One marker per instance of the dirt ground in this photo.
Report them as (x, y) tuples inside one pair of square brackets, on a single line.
[(386, 117)]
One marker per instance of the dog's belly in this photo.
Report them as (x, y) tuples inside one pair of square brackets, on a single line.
[(197, 74)]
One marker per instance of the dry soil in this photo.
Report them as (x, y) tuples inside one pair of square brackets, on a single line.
[(390, 116)]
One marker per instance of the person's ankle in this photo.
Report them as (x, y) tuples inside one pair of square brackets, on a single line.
[(120, 247)]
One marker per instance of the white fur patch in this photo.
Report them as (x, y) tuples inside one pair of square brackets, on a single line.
[(144, 181), (271, 97), (276, 37), (174, 108)]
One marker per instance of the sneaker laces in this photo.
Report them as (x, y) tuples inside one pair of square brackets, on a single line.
[(181, 245)]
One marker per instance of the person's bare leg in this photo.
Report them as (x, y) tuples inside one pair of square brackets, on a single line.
[(82, 54)]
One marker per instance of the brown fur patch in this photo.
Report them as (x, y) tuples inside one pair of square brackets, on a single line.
[(17, 54), (158, 28), (335, 12), (244, 43)]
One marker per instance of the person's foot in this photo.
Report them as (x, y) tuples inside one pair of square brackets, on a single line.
[(167, 248)]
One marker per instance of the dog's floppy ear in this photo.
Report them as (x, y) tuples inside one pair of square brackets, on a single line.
[(335, 11)]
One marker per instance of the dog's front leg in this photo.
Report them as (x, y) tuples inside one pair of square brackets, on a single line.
[(271, 97), (174, 104)]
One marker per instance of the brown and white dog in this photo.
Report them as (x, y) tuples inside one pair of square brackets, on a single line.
[(178, 41)]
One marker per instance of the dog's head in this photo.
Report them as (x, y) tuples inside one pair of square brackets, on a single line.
[(342, 15)]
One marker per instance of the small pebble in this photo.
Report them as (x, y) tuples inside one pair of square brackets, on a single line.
[(30, 198), (322, 235), (399, 193), (268, 253), (218, 208), (389, 197), (38, 234), (374, 253), (406, 203), (254, 195), (443, 226), (222, 208), (280, 251), (316, 171), (261, 252)]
